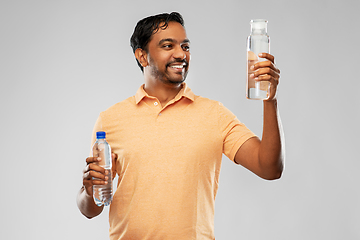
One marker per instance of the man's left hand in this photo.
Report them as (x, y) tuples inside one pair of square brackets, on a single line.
[(267, 71)]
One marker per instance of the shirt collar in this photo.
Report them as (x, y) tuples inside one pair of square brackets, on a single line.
[(184, 92)]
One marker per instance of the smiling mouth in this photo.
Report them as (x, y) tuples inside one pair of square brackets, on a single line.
[(177, 66)]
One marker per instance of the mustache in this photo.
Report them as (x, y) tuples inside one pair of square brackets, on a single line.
[(178, 61)]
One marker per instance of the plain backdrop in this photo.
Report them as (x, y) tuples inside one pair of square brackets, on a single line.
[(63, 62)]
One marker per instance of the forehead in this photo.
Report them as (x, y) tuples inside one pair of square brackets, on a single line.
[(173, 31)]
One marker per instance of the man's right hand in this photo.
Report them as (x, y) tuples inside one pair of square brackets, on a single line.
[(93, 174)]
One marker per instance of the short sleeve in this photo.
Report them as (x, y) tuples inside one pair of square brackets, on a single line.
[(233, 132)]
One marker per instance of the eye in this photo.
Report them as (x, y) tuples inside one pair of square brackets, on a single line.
[(186, 47), (167, 46)]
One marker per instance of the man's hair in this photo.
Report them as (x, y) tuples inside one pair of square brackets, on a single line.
[(148, 26)]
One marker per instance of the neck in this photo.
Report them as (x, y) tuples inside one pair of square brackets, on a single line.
[(163, 92)]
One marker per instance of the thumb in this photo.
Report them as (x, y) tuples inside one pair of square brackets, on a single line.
[(114, 158)]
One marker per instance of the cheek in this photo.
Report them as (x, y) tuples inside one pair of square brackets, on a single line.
[(188, 56), (162, 60)]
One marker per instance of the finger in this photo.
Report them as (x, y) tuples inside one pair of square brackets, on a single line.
[(88, 183), (269, 78), (262, 72), (95, 178), (114, 156), (92, 160), (264, 64), (91, 174), (268, 56), (94, 167), (274, 82)]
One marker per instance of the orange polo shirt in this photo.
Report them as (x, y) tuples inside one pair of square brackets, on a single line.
[(169, 164)]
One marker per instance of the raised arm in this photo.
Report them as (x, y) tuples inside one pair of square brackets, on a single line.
[(265, 157)]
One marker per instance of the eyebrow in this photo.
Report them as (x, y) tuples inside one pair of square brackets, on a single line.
[(172, 40)]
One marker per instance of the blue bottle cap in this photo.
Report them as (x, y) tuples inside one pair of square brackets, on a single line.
[(100, 135)]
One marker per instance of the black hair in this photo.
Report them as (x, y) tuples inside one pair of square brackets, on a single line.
[(148, 26)]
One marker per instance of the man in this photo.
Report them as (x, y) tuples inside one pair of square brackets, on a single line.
[(168, 143)]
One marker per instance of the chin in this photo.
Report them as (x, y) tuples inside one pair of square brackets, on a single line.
[(177, 81)]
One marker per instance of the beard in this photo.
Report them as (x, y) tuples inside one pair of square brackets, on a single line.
[(166, 76)]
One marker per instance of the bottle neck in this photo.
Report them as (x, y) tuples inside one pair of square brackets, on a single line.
[(258, 30)]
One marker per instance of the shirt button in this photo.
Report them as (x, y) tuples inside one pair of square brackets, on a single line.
[(155, 103)]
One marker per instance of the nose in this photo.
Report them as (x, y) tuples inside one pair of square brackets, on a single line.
[(179, 53)]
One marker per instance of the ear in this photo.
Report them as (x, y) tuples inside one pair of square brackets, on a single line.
[(142, 57)]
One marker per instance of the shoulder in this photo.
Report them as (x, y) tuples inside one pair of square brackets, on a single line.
[(199, 100), (118, 109), (208, 104)]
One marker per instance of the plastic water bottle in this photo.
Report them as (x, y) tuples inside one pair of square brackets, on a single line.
[(102, 194), (257, 42)]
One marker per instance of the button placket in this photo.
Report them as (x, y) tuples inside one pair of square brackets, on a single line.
[(156, 104)]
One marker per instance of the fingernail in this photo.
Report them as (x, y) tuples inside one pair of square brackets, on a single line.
[(99, 159), (106, 172), (252, 67), (252, 75)]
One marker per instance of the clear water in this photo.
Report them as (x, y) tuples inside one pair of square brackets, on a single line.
[(103, 193), (257, 90)]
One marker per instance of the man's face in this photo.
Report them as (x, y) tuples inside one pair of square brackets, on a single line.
[(169, 54)]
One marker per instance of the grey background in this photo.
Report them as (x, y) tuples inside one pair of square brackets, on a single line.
[(62, 62)]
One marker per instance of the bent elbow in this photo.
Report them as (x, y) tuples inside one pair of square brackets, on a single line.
[(274, 175), (89, 217), (277, 170)]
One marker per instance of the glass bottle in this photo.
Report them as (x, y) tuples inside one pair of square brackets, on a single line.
[(257, 42)]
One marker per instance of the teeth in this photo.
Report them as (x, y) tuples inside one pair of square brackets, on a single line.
[(177, 66)]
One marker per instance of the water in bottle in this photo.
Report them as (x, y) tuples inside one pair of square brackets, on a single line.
[(257, 42), (102, 194)]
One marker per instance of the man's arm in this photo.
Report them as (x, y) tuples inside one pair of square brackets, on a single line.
[(87, 205), (265, 158)]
